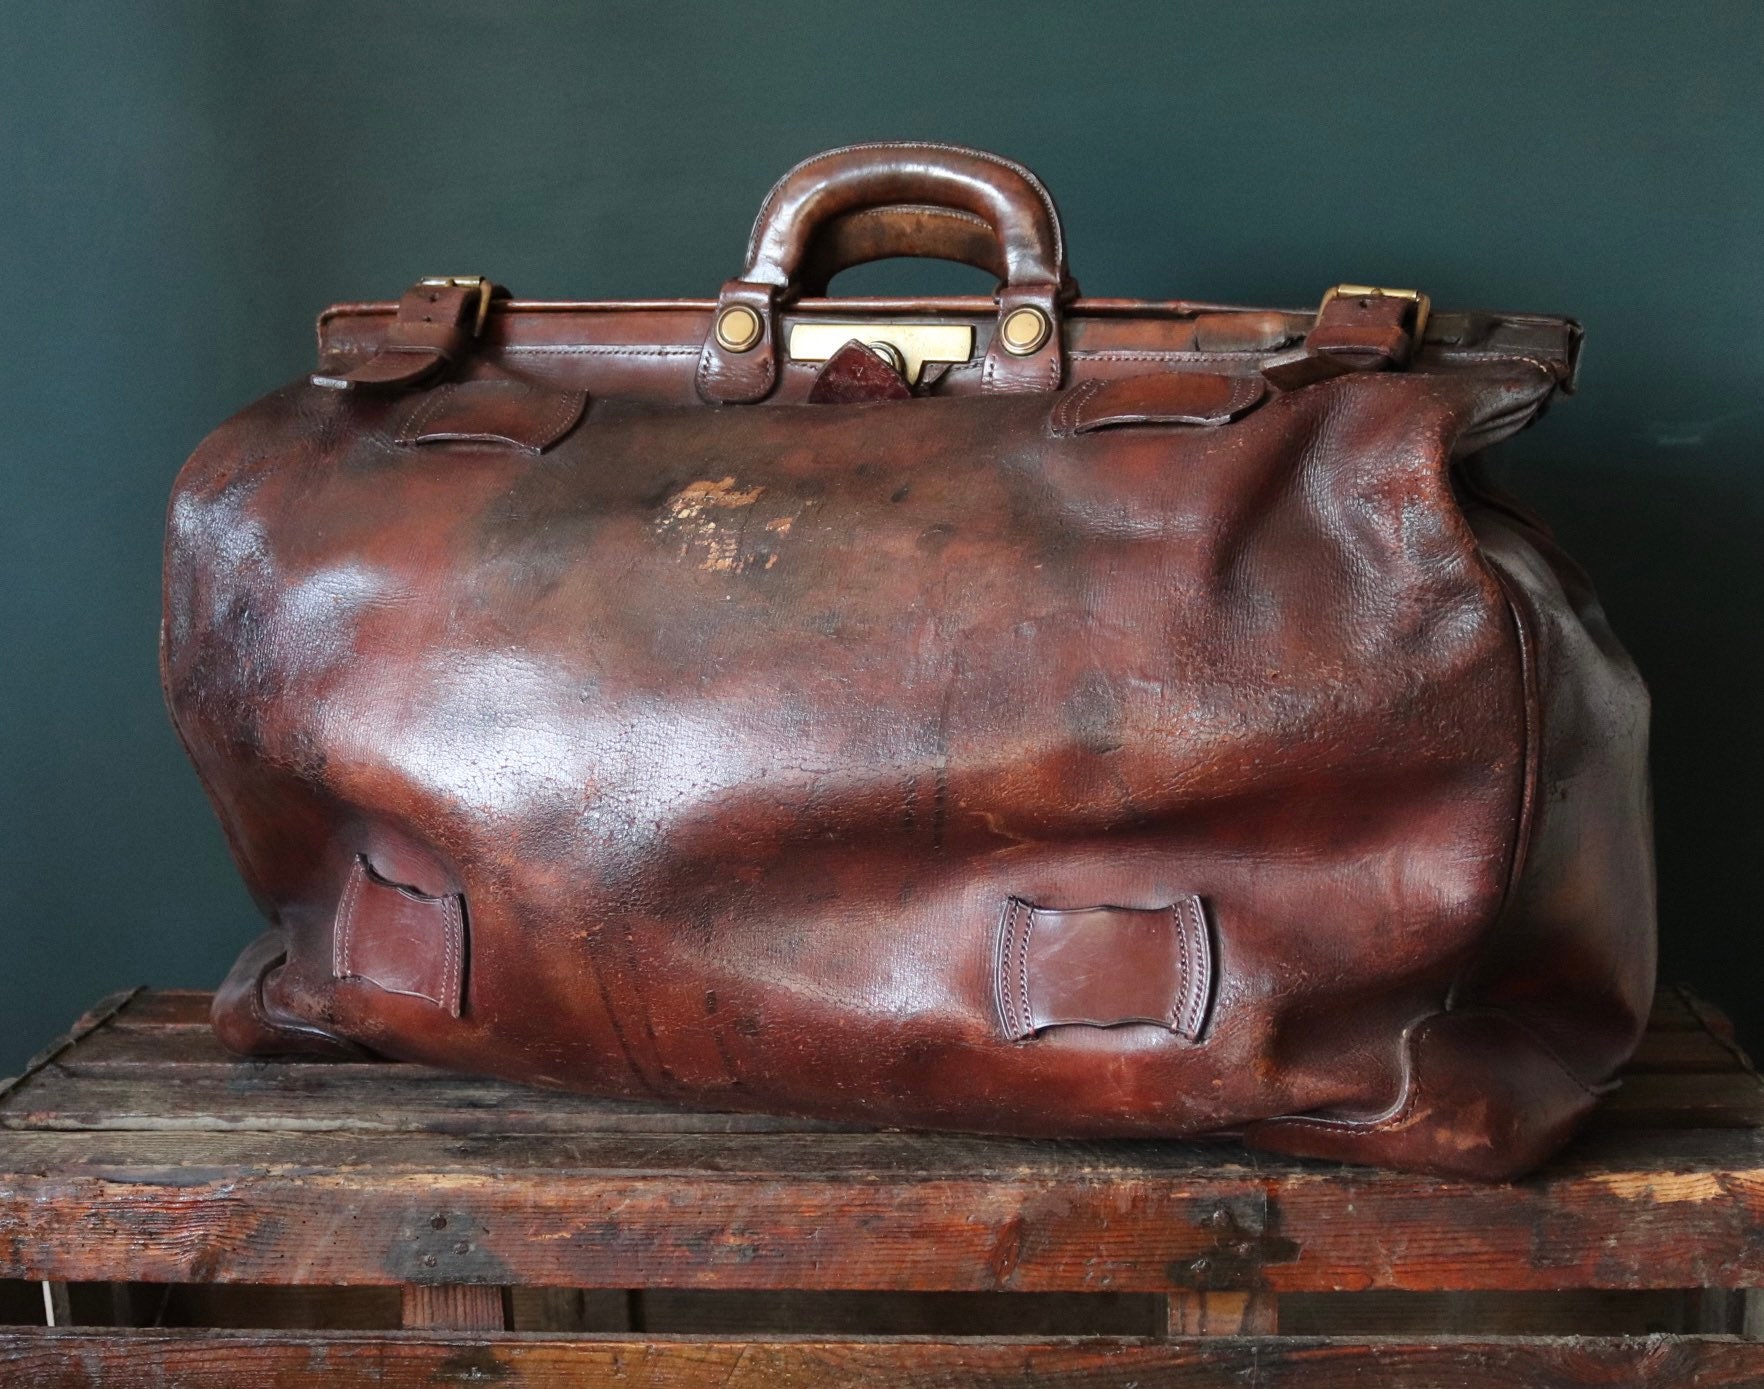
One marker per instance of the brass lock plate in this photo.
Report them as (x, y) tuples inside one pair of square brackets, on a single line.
[(912, 345)]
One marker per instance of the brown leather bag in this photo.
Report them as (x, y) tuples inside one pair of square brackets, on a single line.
[(1032, 714)]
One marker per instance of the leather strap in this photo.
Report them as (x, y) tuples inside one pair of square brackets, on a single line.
[(437, 320), (1352, 332)]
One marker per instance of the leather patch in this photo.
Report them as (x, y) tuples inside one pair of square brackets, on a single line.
[(1195, 398), (853, 375), (512, 413), (400, 940), (1102, 967)]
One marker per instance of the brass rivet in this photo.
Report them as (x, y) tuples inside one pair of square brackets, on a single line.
[(738, 328), (1024, 330)]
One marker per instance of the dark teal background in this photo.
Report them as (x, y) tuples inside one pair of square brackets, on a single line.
[(185, 186)]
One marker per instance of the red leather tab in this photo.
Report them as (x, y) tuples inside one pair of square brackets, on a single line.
[(400, 940), (855, 374), (526, 417), (1102, 967), (1198, 398)]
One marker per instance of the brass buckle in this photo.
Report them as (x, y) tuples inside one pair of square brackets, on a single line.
[(483, 287), (1423, 305)]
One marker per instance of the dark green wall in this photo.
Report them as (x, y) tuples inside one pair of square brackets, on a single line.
[(187, 185)]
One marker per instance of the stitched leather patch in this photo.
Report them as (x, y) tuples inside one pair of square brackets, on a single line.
[(1102, 967), (1170, 397), (400, 940), (530, 418)]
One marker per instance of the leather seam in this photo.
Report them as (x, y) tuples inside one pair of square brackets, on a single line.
[(1198, 984), (1002, 983), (340, 965), (1179, 1014), (570, 406), (450, 970), (418, 419), (1065, 414), (1411, 1090), (1532, 703), (585, 350)]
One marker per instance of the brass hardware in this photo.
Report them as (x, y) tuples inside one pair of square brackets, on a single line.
[(889, 353), (483, 287), (913, 344), (739, 329), (1024, 330), (1423, 305)]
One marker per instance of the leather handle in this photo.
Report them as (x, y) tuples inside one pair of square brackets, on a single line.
[(884, 233), (1010, 219), (870, 202)]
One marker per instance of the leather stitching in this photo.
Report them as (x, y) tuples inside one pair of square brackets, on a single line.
[(1179, 1010), (570, 406), (450, 970), (561, 350), (346, 920), (418, 419), (1192, 931), (1001, 985)]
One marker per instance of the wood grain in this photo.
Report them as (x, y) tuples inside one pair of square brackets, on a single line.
[(216, 1360), (135, 1150)]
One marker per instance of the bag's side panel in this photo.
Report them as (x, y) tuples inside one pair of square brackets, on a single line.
[(1574, 957), (1559, 995)]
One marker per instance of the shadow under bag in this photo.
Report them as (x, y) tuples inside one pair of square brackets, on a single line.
[(1033, 714)]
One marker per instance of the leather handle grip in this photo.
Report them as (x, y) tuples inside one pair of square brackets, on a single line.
[(870, 202), (884, 233)]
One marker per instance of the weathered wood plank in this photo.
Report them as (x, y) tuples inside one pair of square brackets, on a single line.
[(1660, 1051), (170, 1006), (1222, 1314), (457, 1307), (198, 1360), (88, 1022), (115, 1080), (840, 1211), (278, 1096), (1734, 1099)]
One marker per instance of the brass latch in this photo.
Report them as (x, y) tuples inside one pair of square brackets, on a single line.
[(906, 347)]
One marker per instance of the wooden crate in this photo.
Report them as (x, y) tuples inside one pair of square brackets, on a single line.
[(190, 1219)]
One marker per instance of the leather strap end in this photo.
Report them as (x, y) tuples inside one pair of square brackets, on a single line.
[(433, 327), (1352, 332)]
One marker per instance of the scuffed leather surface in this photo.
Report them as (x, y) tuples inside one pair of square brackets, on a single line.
[(736, 729)]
